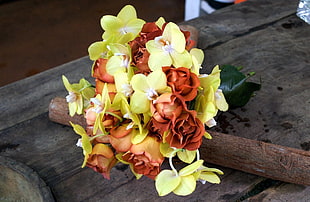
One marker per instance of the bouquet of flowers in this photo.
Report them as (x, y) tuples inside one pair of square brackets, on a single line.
[(149, 103)]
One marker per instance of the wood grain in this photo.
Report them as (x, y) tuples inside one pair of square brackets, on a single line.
[(255, 157)]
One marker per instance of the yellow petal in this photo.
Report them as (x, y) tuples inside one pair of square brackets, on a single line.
[(138, 137), (210, 177), (127, 13), (158, 60), (160, 22), (166, 150), (186, 186), (157, 80), (115, 64), (183, 59), (139, 103), (66, 83), (220, 101), (110, 23), (166, 182), (139, 83), (190, 168), (186, 155), (173, 34), (96, 49)]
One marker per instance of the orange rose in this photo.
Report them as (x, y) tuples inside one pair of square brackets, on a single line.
[(100, 71), (120, 138), (165, 109), (102, 160), (140, 55), (182, 82), (186, 132), (145, 157)]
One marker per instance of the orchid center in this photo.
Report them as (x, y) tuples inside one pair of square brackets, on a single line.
[(127, 90), (151, 94), (72, 97), (98, 105)]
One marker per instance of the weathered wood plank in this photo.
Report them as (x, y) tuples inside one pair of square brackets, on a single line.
[(280, 56), (50, 149), (284, 192), (28, 98), (237, 20)]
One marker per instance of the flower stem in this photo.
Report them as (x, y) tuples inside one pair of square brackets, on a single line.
[(170, 161)]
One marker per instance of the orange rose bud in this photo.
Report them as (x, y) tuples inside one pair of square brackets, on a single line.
[(102, 160), (183, 82), (145, 157), (100, 71), (120, 138), (165, 109), (186, 132)]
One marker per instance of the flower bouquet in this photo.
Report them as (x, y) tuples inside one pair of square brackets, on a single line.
[(149, 103)]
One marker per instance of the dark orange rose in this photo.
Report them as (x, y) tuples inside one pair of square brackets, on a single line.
[(120, 138), (186, 132), (139, 53), (145, 157), (165, 109), (182, 82), (100, 71), (102, 160)]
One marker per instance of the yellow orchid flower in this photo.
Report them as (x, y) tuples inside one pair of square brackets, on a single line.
[(79, 94), (211, 99), (120, 61), (122, 84), (180, 183), (168, 49), (147, 88), (120, 103), (101, 103), (99, 49), (124, 27), (197, 58), (84, 142), (205, 174)]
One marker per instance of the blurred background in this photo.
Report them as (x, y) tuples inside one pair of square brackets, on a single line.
[(36, 35)]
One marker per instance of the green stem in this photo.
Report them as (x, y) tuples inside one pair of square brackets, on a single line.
[(94, 137), (170, 161)]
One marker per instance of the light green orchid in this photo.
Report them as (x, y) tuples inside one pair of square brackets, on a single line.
[(180, 183), (147, 88), (124, 27), (79, 95), (160, 22), (211, 99), (197, 58), (84, 142), (205, 174), (120, 59), (120, 103), (99, 49), (101, 102), (122, 83), (168, 49)]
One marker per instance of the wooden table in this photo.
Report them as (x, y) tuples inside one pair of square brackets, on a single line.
[(263, 36)]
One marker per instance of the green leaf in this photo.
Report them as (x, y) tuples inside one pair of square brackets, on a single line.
[(186, 155), (236, 89), (166, 182)]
